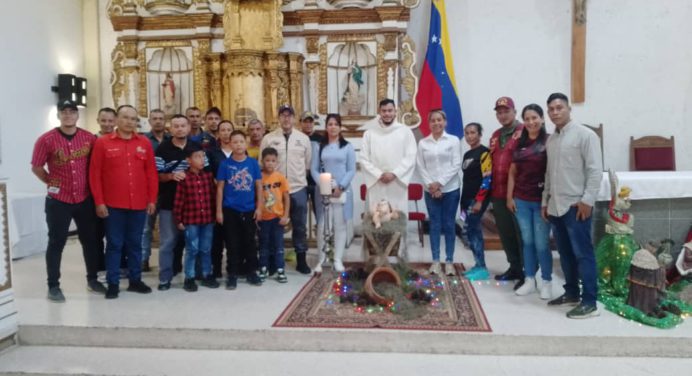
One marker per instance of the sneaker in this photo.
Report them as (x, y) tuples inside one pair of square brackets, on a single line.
[(164, 286), (281, 276), (472, 270), (189, 285), (518, 285), (210, 282), (583, 311), (112, 292), (528, 287), (480, 274), (339, 266), (449, 269), (96, 287), (302, 265), (546, 290), (55, 295), (139, 287), (231, 283), (564, 299), (254, 279), (509, 275), (435, 268), (263, 273)]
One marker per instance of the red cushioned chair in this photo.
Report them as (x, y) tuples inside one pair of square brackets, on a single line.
[(652, 153), (415, 193)]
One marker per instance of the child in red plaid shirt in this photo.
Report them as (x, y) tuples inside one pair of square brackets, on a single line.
[(193, 210)]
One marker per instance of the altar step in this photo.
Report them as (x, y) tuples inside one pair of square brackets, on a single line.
[(352, 340)]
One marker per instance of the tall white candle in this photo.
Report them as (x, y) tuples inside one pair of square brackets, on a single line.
[(325, 183)]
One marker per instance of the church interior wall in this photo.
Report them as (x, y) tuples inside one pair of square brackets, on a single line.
[(40, 40)]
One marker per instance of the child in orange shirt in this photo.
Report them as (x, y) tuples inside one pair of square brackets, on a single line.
[(275, 210)]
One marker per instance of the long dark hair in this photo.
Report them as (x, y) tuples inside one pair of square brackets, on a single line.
[(542, 135), (325, 139)]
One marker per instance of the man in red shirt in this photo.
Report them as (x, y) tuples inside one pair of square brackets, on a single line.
[(124, 184), (502, 145), (65, 151)]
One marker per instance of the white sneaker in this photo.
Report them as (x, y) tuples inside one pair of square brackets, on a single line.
[(339, 266), (527, 288), (546, 290), (449, 269), (435, 268)]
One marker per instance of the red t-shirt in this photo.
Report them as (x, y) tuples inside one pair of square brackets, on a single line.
[(531, 161), (502, 159)]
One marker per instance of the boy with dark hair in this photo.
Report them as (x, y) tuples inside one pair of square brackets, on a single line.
[(277, 204), (193, 213), (238, 204)]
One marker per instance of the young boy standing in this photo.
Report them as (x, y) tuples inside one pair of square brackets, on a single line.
[(277, 204), (193, 210), (238, 206)]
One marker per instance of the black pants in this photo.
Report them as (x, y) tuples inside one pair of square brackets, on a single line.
[(58, 217), (217, 250), (239, 229), (510, 235)]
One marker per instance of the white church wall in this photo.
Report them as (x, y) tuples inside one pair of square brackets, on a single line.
[(638, 76), (40, 39)]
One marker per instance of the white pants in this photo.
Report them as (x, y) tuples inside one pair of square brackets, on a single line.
[(336, 214)]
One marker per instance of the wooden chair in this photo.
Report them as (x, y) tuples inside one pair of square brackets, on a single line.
[(599, 132), (652, 153), (415, 194)]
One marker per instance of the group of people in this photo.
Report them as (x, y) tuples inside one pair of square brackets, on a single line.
[(213, 186), (534, 181)]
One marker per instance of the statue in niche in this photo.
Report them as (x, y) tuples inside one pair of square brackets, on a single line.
[(352, 100), (168, 94)]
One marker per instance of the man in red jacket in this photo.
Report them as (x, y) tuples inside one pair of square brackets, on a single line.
[(502, 145), (124, 183)]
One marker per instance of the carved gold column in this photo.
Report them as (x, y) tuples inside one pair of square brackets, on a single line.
[(199, 55), (125, 77), (246, 86), (214, 78), (295, 74), (273, 63)]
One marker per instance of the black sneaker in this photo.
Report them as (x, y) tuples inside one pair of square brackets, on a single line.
[(164, 286), (210, 282), (281, 276), (254, 279), (509, 275), (96, 287), (55, 295), (263, 273), (231, 283), (139, 287), (564, 299), (189, 285), (112, 292), (583, 311)]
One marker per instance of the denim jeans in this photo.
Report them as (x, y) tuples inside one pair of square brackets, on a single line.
[(146, 235), (58, 217), (239, 229), (474, 231), (198, 247), (168, 238), (576, 255), (535, 237), (271, 239), (442, 212), (510, 236), (299, 217), (124, 234)]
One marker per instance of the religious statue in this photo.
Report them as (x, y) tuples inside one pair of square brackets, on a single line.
[(352, 99), (168, 95), (383, 212), (619, 220), (684, 262)]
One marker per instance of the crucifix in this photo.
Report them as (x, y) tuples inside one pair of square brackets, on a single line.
[(578, 50)]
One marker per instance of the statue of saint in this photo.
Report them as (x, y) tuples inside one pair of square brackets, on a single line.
[(352, 100), (168, 91)]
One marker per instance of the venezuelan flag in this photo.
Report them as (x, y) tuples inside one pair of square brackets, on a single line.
[(436, 88)]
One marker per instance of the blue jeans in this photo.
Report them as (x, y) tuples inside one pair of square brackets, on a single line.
[(198, 246), (146, 235), (535, 235), (168, 237), (124, 233), (442, 212), (576, 255), (271, 239), (474, 231), (299, 217)]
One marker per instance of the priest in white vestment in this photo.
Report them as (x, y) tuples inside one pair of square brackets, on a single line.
[(387, 159)]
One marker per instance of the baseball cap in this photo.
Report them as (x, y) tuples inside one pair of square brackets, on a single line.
[(67, 104), (286, 107), (307, 115), (504, 102)]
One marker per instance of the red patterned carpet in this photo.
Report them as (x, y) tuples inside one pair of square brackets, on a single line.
[(316, 306)]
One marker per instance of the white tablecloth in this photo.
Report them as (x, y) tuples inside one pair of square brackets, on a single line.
[(28, 228), (650, 184)]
